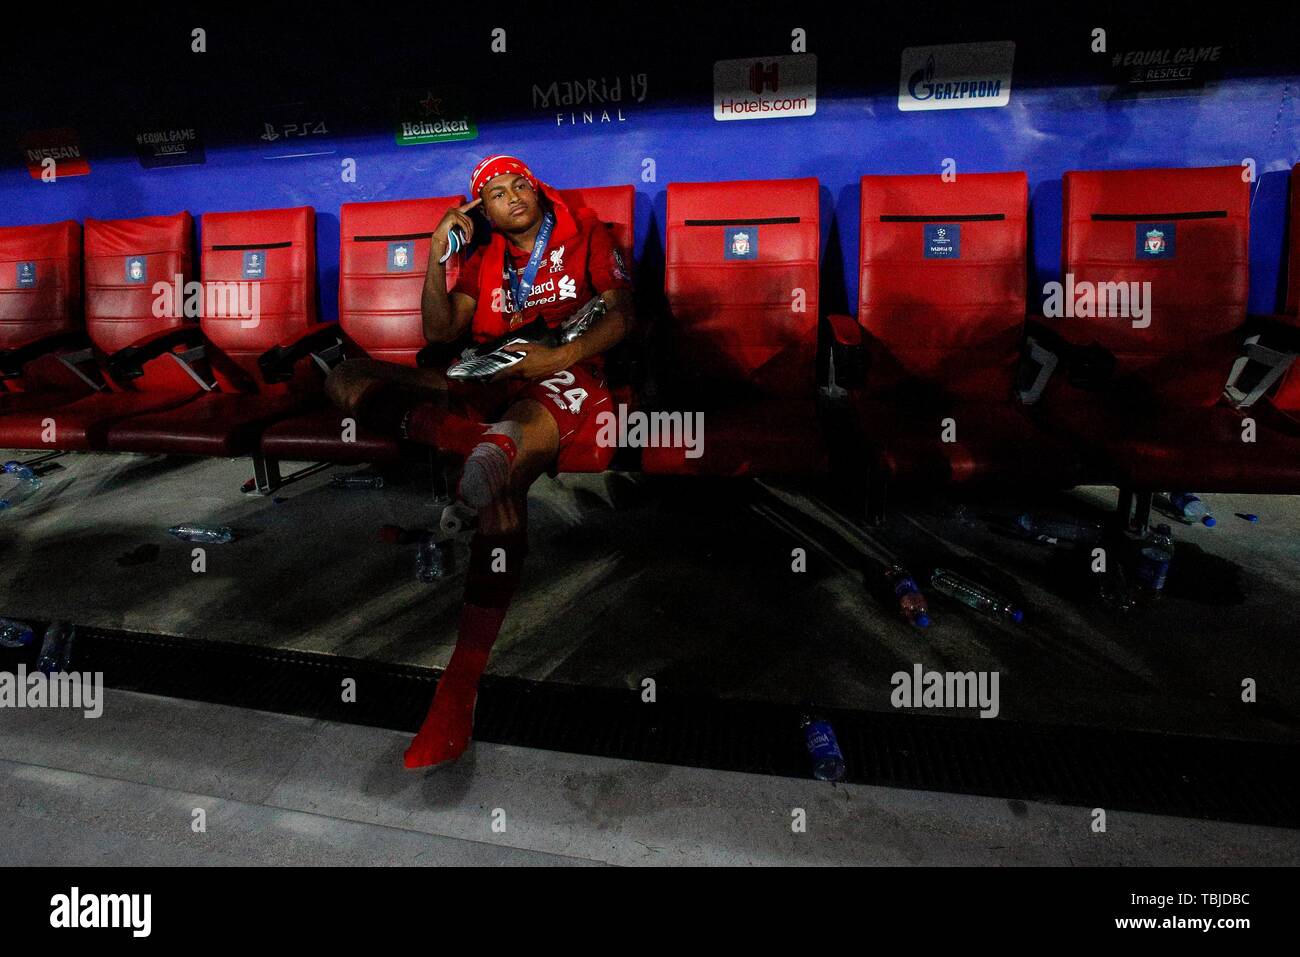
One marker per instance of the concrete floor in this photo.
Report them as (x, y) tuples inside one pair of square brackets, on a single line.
[(688, 582), (122, 789)]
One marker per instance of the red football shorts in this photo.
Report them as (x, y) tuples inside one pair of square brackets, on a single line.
[(574, 398)]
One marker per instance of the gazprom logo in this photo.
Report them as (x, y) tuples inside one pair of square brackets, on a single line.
[(956, 76)]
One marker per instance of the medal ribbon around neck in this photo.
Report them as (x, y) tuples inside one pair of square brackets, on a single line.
[(518, 284)]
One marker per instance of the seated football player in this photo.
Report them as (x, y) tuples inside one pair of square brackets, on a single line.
[(543, 259)]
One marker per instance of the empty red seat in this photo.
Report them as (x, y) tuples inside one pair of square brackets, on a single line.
[(383, 254), (941, 311), (742, 283), (258, 289), (40, 315), (1158, 411), (125, 320), (1285, 403)]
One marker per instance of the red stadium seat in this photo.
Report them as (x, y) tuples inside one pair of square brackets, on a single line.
[(40, 315), (741, 278), (379, 312), (1286, 401), (384, 249), (269, 254), (137, 343), (1157, 411), (942, 313)]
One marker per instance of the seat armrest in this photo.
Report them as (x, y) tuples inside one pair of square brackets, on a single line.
[(845, 330), (323, 342), (128, 363), (1278, 331), (439, 355), (1271, 345), (849, 357), (13, 360), (82, 364)]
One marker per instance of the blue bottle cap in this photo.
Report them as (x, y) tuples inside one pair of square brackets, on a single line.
[(923, 621), (1017, 615), (1208, 521)]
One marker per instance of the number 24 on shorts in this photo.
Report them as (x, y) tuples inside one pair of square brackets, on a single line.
[(575, 396)]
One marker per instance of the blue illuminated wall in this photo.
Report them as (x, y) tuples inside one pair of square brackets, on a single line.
[(1045, 130)]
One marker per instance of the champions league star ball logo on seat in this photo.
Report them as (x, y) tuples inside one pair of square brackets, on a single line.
[(254, 265), (26, 275)]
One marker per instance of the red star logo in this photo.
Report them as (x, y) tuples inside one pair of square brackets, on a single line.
[(431, 103)]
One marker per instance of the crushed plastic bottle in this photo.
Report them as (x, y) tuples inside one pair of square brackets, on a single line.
[(203, 534), (456, 518), (1188, 508), (974, 594), (1054, 531), (823, 748), (25, 484), (56, 648), (1114, 590), (910, 600), (15, 634), (434, 559), (358, 480)]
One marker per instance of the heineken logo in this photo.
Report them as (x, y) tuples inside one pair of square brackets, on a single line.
[(431, 116)]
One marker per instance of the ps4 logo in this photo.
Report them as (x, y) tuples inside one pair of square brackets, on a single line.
[(307, 128)]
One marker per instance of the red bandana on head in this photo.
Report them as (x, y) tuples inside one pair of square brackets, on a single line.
[(567, 222)]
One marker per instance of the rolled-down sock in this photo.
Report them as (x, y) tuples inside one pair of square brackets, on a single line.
[(487, 467)]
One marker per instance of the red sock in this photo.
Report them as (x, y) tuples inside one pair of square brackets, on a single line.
[(445, 734)]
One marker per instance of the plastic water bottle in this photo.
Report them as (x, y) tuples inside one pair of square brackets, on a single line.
[(1154, 558), (358, 481), (975, 595), (910, 600), (1053, 531), (434, 559), (819, 738), (1191, 509), (25, 485), (15, 634), (204, 534), (56, 649)]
